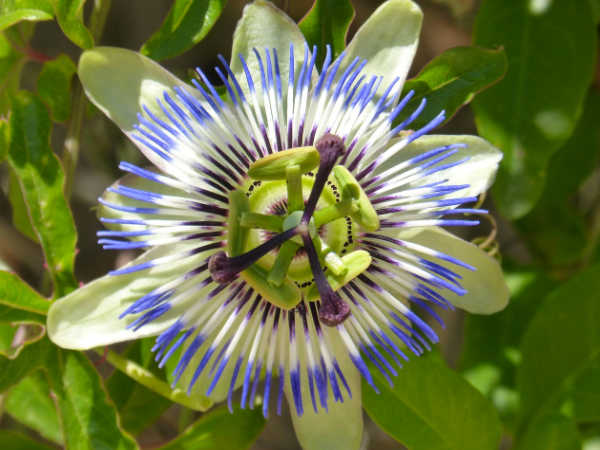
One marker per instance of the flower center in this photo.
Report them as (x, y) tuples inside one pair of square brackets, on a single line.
[(291, 232)]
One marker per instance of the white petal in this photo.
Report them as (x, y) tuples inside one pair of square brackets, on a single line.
[(339, 428), (120, 81), (478, 171), (388, 41), (487, 291), (89, 316), (264, 26)]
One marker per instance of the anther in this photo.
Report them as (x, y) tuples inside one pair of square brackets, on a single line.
[(223, 269), (333, 309)]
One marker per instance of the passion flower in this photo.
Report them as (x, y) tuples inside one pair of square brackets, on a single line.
[(290, 222)]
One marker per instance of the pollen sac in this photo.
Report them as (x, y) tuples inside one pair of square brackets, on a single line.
[(273, 166), (356, 263)]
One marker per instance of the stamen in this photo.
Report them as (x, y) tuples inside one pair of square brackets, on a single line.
[(333, 310), (330, 148), (224, 269)]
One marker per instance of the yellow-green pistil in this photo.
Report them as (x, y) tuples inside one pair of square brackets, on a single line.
[(279, 244)]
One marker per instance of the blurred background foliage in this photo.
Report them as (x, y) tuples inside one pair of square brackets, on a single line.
[(530, 374)]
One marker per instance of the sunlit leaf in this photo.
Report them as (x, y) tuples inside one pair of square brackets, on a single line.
[(551, 55), (432, 407), (30, 403), (41, 181), (555, 227), (451, 80), (11, 64), (327, 22), (69, 14), (15, 293), (220, 430), (562, 341), (54, 86), (22, 315), (13, 11), (89, 419), (186, 25)]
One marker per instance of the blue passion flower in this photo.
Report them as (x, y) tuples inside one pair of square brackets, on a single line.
[(290, 222)]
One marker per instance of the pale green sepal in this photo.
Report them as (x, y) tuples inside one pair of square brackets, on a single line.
[(388, 41), (136, 182), (89, 316), (264, 26), (478, 171), (339, 428), (119, 81), (487, 291)]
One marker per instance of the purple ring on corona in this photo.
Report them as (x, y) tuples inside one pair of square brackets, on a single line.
[(283, 194)]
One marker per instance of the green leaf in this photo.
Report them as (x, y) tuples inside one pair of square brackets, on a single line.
[(11, 64), (54, 86), (327, 22), (596, 9), (20, 215), (220, 430), (30, 403), (14, 337), (555, 227), (551, 432), (586, 396), (551, 50), (3, 138), (16, 294), (33, 357), (88, 416), (16, 441), (562, 342), (138, 406), (13, 11), (491, 352), (41, 180), (493, 339), (69, 14), (22, 311), (451, 80), (431, 407), (187, 24)]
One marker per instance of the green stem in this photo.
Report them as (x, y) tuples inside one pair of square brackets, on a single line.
[(150, 381), (98, 18), (71, 145)]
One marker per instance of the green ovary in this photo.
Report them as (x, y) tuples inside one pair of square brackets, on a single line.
[(259, 210)]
